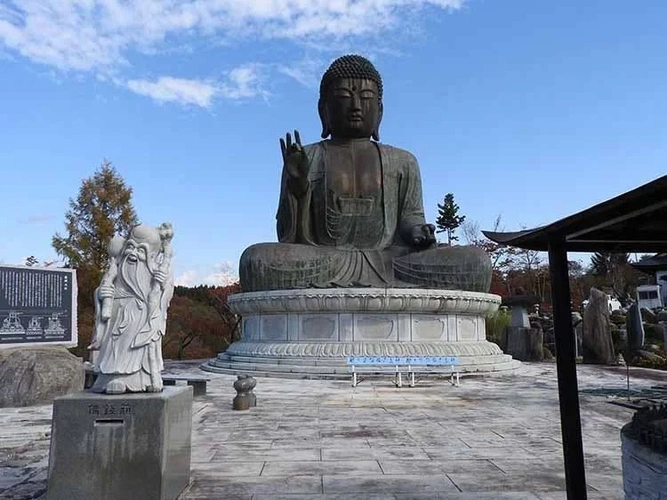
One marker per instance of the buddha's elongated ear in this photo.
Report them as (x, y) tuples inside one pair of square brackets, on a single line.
[(376, 131), (324, 118)]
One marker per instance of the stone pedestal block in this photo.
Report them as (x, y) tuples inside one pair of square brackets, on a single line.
[(122, 446), (524, 344), (519, 317)]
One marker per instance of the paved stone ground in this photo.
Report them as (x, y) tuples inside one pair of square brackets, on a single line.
[(491, 438)]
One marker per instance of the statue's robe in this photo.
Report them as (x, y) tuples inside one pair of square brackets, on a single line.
[(130, 347), (329, 238)]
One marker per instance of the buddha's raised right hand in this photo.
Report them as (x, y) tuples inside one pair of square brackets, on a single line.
[(295, 162)]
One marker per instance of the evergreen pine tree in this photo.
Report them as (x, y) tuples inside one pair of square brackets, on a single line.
[(448, 218)]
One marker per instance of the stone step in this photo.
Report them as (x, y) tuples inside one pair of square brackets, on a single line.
[(285, 360), (340, 362), (248, 365), (234, 366)]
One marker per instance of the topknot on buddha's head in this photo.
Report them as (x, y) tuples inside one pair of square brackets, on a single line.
[(350, 66)]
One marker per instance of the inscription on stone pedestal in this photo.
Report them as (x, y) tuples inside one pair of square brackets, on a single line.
[(110, 409)]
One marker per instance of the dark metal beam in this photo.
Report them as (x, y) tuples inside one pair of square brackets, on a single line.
[(575, 235), (568, 391)]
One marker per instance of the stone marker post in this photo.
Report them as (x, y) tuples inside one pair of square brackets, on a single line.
[(522, 341)]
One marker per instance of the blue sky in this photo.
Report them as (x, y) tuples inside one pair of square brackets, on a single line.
[(533, 110)]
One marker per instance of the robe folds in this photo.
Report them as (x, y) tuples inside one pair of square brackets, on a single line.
[(130, 341)]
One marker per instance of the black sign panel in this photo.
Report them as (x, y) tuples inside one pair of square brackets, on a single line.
[(37, 305)]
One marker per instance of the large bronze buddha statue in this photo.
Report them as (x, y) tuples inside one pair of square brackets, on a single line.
[(351, 211)]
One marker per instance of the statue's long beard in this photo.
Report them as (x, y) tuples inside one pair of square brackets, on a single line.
[(137, 277)]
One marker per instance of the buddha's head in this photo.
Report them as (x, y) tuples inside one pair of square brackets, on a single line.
[(350, 104)]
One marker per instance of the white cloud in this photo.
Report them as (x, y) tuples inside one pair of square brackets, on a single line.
[(242, 82), (304, 71), (37, 219), (101, 37), (187, 278), (224, 274), (168, 89), (221, 275)]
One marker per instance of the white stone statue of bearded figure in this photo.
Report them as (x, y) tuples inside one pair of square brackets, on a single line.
[(131, 312)]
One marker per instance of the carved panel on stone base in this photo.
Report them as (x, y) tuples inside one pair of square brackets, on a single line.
[(376, 327), (274, 327), (319, 327), (429, 327)]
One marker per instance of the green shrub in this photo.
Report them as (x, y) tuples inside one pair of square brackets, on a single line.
[(619, 339), (653, 333), (495, 327), (655, 363)]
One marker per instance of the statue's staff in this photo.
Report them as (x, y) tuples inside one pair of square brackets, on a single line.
[(105, 292), (160, 275)]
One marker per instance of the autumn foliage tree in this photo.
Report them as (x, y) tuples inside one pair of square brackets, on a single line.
[(200, 323), (194, 330), (218, 299), (102, 208)]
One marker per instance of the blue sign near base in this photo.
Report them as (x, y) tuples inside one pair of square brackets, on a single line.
[(402, 360)]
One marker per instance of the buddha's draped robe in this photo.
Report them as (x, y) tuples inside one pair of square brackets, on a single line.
[(352, 228)]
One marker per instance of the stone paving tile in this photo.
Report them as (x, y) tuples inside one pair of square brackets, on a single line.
[(445, 453), (357, 496), (499, 481), (224, 445), (377, 453), (353, 442), (216, 486), (321, 468), (493, 438), (431, 466), (230, 469), (592, 495), (603, 481), (260, 435), (298, 442), (421, 484), (267, 455), (478, 495), (511, 465)]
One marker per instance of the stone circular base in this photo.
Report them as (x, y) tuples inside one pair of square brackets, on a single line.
[(311, 332), (644, 470)]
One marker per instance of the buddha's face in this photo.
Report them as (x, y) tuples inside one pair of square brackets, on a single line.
[(353, 108)]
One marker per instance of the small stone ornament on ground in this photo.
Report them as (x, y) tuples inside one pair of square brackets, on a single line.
[(131, 311), (245, 398)]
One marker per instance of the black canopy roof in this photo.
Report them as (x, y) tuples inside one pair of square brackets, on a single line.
[(635, 221), (656, 263)]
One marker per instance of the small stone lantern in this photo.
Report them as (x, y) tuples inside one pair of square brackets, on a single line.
[(522, 341), (245, 398)]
